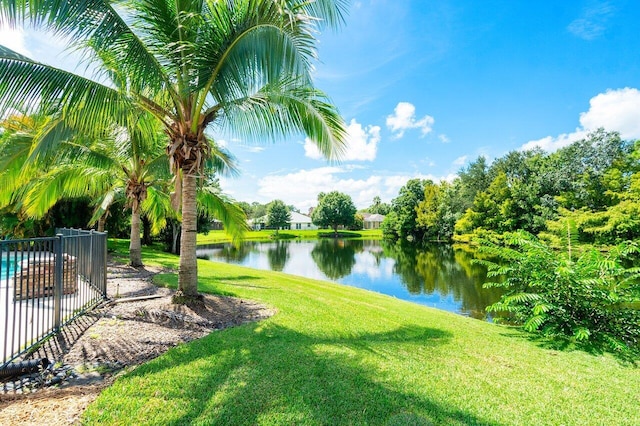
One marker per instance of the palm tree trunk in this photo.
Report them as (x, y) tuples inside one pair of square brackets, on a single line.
[(135, 249), (101, 222), (188, 272)]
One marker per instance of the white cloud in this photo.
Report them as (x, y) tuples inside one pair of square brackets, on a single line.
[(592, 23), (14, 39), (444, 138), (301, 188), (362, 143), (551, 143), (460, 160), (404, 118), (615, 110), (311, 151)]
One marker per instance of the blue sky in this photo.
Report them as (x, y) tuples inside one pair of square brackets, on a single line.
[(428, 86)]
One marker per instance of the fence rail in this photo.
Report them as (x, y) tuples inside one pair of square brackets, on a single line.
[(46, 283)]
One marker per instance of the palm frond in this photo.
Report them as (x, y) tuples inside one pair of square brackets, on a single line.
[(67, 181), (103, 205), (286, 107), (329, 13), (157, 208), (83, 104), (221, 161), (214, 204), (97, 25)]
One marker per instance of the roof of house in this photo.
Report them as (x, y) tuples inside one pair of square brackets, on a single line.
[(373, 217), (295, 218), (300, 218)]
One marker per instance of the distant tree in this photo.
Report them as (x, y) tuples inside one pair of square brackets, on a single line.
[(582, 172), (474, 179), (246, 207), (334, 209), (358, 223), (389, 226), (378, 207), (429, 211), (403, 221), (258, 210), (278, 215)]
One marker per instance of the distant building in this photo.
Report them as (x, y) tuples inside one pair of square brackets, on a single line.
[(215, 225), (298, 221), (257, 224), (372, 220), (301, 221)]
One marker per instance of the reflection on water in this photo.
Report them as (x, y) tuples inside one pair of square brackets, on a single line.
[(438, 275), (336, 258)]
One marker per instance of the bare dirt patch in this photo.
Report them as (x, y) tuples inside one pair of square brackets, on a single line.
[(89, 353)]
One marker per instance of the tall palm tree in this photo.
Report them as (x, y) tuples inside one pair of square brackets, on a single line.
[(241, 65)]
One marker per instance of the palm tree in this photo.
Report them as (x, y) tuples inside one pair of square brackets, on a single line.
[(129, 166), (241, 65)]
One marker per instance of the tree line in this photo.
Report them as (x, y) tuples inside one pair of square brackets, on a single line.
[(591, 188)]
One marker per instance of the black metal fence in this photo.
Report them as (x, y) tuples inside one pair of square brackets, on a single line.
[(45, 283)]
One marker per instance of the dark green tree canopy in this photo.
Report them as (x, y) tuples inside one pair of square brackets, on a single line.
[(278, 215), (334, 209), (403, 222), (378, 207)]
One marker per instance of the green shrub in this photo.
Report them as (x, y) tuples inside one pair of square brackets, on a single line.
[(591, 301)]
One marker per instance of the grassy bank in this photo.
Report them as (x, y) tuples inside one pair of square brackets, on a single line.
[(214, 237), (339, 355)]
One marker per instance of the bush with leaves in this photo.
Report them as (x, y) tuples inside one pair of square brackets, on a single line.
[(592, 301)]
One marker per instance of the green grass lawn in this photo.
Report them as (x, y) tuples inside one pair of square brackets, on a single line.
[(214, 237), (339, 355)]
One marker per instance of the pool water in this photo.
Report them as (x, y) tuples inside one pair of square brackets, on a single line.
[(7, 268)]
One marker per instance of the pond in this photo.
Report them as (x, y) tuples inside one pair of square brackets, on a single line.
[(438, 276)]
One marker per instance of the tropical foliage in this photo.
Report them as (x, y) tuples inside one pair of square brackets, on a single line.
[(46, 164), (591, 300), (243, 66)]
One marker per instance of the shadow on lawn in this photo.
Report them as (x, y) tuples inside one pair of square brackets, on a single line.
[(266, 373)]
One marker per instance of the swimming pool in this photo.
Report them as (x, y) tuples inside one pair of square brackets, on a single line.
[(9, 265)]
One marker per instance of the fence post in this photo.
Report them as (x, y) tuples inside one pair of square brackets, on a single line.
[(103, 267), (92, 237), (57, 290)]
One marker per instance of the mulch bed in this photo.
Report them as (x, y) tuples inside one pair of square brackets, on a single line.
[(90, 352)]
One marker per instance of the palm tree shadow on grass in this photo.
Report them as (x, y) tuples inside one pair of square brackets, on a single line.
[(272, 372)]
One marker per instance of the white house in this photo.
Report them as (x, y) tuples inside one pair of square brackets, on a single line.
[(298, 221), (372, 221), (301, 221)]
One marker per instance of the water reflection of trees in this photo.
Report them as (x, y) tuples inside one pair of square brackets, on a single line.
[(441, 269), (235, 254), (335, 257), (278, 254)]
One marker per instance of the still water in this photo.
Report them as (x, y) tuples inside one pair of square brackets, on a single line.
[(438, 276)]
